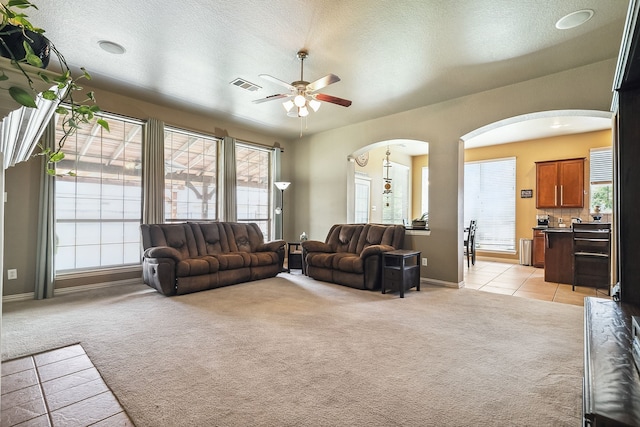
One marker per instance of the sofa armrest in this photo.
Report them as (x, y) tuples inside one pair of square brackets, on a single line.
[(163, 252), (273, 246), (316, 246), (375, 250)]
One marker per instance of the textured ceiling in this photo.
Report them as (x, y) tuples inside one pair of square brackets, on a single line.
[(391, 55)]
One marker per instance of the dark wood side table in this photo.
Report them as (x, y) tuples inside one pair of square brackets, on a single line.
[(294, 256), (401, 270)]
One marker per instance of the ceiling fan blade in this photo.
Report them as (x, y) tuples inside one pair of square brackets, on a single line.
[(332, 99), (322, 82), (271, 98), (277, 81)]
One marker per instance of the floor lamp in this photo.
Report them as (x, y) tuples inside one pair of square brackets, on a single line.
[(282, 185)]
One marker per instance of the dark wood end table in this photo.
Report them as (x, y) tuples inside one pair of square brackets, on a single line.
[(294, 256), (401, 270)]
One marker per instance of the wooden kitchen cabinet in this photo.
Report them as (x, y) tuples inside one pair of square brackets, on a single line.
[(538, 248), (558, 256), (560, 184)]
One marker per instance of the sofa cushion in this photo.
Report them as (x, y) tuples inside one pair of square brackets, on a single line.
[(348, 238), (196, 266), (320, 259), (210, 241), (344, 261), (177, 236), (231, 261)]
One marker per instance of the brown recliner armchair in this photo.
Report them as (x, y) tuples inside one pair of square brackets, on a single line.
[(352, 254)]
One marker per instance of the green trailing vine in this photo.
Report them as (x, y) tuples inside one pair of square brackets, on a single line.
[(73, 113)]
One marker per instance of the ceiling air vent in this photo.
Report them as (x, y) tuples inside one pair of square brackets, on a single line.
[(251, 87)]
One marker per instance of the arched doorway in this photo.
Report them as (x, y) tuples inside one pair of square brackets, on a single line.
[(397, 163)]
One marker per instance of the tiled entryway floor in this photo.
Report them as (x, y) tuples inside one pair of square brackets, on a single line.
[(524, 281), (58, 388)]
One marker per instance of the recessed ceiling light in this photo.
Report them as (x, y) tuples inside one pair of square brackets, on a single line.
[(111, 47), (574, 19)]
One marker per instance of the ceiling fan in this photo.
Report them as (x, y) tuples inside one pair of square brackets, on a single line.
[(304, 94)]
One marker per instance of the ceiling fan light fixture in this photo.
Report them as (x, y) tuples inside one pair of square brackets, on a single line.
[(288, 105), (303, 112), (315, 105), (299, 100)]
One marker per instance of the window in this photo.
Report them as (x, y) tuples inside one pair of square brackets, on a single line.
[(425, 190), (490, 198), (98, 211), (395, 205), (190, 161), (362, 197), (601, 178), (253, 165)]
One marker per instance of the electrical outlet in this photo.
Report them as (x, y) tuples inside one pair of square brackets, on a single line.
[(12, 274), (424, 262)]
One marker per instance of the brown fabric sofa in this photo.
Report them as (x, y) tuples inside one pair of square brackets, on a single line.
[(194, 256), (352, 254)]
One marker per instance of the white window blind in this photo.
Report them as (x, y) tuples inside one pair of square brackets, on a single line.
[(601, 165), (490, 199), (425, 190), (601, 179)]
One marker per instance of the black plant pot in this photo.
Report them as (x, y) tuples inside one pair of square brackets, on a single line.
[(13, 38)]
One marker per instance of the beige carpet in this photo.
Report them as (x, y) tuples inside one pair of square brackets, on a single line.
[(291, 351)]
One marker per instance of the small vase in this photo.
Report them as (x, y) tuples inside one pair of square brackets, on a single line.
[(303, 237)]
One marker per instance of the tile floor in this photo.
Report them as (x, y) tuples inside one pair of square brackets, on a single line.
[(58, 388), (523, 281)]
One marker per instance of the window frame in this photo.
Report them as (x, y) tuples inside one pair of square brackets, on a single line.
[(98, 181), (487, 221), (265, 224), (169, 201)]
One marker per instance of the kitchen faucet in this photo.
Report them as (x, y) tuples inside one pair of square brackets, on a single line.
[(578, 220)]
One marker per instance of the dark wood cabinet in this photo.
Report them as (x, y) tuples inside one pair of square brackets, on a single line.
[(538, 248), (592, 255), (558, 257), (560, 184)]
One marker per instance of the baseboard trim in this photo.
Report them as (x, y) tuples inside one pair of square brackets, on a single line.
[(494, 259), (443, 283), (72, 289), (18, 297)]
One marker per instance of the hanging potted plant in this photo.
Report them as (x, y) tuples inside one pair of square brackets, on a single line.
[(25, 45)]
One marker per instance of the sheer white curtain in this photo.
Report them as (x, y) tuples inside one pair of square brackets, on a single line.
[(229, 208), (45, 268), (153, 172)]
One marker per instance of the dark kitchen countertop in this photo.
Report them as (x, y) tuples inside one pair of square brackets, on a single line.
[(567, 229)]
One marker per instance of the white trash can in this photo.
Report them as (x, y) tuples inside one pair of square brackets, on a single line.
[(525, 251)]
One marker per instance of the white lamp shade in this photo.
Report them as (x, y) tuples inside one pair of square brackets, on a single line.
[(315, 105), (303, 112), (282, 185), (288, 105), (299, 100)]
